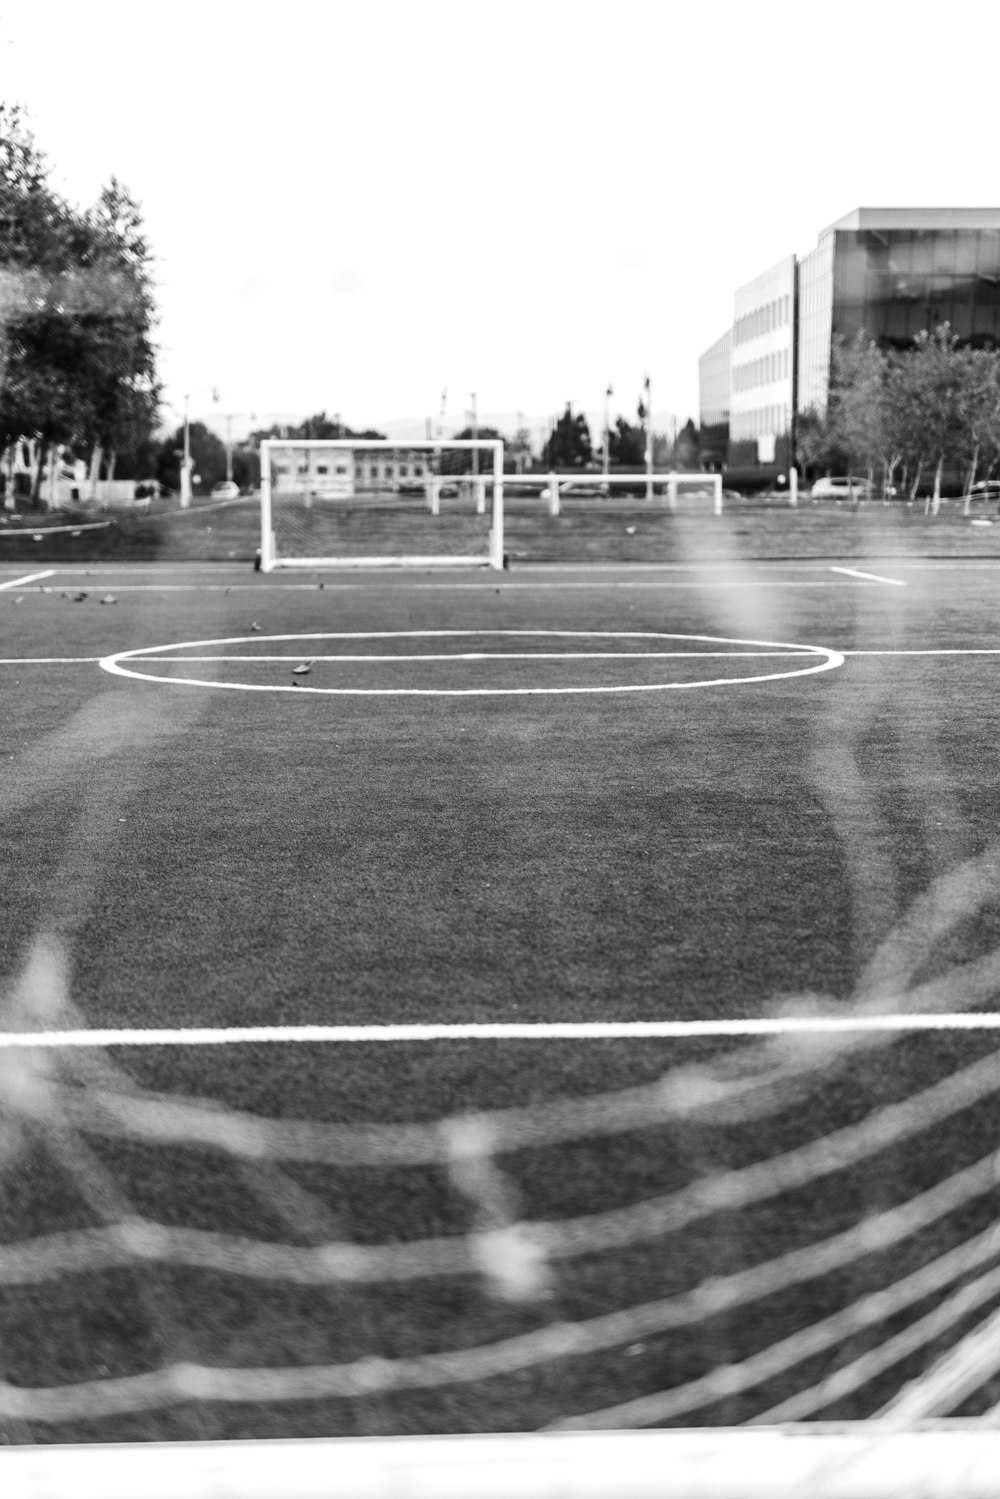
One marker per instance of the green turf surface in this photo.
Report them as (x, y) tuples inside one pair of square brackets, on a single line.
[(619, 530), (212, 857)]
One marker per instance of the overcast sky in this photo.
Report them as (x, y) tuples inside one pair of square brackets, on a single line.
[(359, 204)]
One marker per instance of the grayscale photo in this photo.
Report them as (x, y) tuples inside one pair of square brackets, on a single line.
[(499, 781)]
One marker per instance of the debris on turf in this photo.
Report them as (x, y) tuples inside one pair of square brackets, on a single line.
[(254, 628), (19, 599), (109, 598), (303, 668), (630, 530), (78, 598)]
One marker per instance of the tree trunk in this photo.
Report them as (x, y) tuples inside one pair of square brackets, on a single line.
[(971, 480), (887, 483), (937, 483), (9, 502), (916, 480), (40, 453), (94, 476)]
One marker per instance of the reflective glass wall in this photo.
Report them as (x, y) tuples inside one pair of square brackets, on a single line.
[(893, 283)]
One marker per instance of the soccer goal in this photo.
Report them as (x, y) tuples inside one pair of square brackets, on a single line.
[(359, 503), (692, 492)]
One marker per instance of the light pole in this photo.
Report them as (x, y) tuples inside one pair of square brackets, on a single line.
[(475, 434), (607, 435), (649, 441), (186, 475), (186, 461)]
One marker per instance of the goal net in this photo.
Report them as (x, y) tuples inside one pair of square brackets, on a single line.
[(356, 503)]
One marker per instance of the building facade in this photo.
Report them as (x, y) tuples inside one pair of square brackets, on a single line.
[(342, 473), (888, 273), (763, 365), (715, 400)]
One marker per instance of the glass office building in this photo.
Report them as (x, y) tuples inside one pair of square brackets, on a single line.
[(715, 379), (889, 273)]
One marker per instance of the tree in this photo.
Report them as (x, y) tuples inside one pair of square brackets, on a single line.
[(519, 450), (123, 390), (568, 445), (460, 461), (77, 362), (686, 448), (626, 444), (935, 405), (208, 456), (320, 427)]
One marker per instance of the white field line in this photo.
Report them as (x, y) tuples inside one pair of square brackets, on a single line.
[(593, 1030), (30, 578), (429, 587), (965, 650), (489, 656), (37, 531), (509, 656), (853, 572)]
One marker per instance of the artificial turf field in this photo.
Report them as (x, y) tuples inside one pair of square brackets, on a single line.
[(772, 793)]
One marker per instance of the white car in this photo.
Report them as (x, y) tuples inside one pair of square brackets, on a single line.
[(844, 489), (225, 490)]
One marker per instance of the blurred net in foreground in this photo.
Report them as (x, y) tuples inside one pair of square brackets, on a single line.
[(826, 1249)]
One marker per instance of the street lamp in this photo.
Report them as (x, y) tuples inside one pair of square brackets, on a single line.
[(607, 435), (649, 441), (186, 462), (475, 434)]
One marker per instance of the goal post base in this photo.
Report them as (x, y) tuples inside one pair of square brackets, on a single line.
[(320, 563)]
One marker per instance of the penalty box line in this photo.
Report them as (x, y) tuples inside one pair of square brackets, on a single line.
[(29, 578), (597, 1030)]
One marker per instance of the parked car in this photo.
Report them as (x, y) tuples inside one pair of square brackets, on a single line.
[(840, 489), (225, 490), (986, 489), (849, 489)]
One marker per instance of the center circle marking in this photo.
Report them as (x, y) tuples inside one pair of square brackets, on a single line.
[(126, 663)]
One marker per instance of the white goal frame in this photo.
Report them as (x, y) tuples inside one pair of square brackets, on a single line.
[(557, 486), (491, 475)]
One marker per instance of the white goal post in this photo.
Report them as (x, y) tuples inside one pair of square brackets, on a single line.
[(360, 502), (556, 487)]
